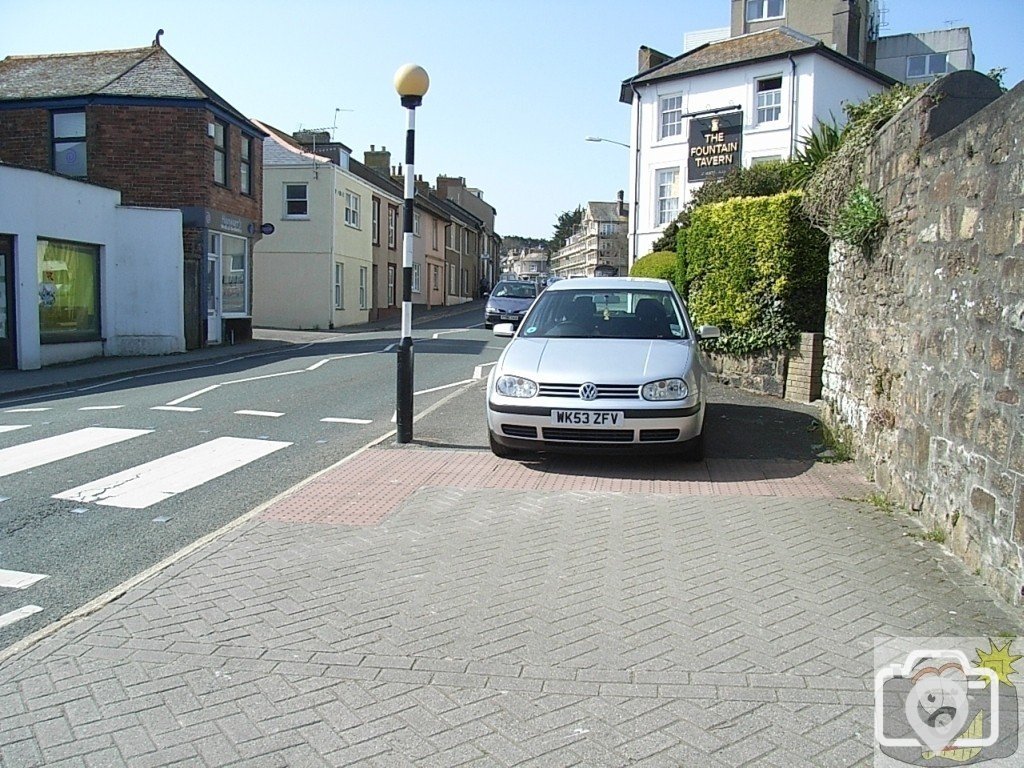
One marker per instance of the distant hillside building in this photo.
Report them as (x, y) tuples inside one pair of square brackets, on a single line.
[(598, 245)]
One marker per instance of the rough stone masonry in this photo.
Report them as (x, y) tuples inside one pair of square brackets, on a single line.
[(925, 334)]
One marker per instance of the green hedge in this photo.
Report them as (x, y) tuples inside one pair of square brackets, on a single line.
[(755, 268), (660, 264)]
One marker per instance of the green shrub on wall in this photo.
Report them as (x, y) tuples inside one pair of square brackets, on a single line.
[(660, 264), (755, 268)]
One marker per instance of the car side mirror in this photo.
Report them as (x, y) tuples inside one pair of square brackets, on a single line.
[(504, 329), (708, 332)]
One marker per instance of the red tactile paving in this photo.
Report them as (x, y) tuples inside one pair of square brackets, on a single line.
[(365, 489)]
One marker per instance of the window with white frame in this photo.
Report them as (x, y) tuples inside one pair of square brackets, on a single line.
[(296, 201), (926, 65), (339, 285), (234, 273), (69, 291), (769, 99), (351, 209), (375, 206), (668, 195), (362, 287), (758, 10), (392, 227), (433, 234), (606, 228), (415, 277), (416, 223), (671, 117)]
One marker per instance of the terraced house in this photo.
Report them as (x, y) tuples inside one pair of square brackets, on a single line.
[(139, 122)]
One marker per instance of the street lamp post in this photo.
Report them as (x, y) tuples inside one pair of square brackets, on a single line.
[(610, 141), (411, 82)]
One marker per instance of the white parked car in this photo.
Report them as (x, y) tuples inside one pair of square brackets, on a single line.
[(606, 363)]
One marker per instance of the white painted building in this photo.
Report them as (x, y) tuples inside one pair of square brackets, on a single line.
[(723, 105), (90, 276)]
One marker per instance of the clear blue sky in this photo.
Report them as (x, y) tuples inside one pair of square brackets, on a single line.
[(515, 84)]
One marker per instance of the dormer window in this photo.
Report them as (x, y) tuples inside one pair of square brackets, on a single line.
[(69, 156)]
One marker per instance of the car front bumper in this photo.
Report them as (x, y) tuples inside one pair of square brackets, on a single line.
[(662, 428)]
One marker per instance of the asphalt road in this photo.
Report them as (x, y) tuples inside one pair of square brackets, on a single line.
[(234, 434)]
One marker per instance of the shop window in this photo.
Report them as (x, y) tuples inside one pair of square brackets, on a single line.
[(69, 291)]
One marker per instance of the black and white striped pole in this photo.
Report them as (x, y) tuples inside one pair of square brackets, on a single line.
[(411, 82)]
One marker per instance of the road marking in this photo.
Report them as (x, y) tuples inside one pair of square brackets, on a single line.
[(444, 386), (100, 407), (271, 414), (19, 579), (12, 427), (260, 378), (26, 410), (390, 347), (314, 366), (478, 372), (444, 333), (21, 613), (194, 394), (178, 408), (147, 484), (39, 452), (339, 420)]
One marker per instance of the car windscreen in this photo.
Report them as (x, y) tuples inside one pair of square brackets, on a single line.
[(522, 290), (621, 314)]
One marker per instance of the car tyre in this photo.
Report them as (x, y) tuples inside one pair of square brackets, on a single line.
[(693, 450), (488, 326), (499, 450)]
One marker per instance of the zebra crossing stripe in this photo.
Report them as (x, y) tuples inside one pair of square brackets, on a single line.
[(19, 579), (147, 484), (18, 458), (18, 615), (13, 427)]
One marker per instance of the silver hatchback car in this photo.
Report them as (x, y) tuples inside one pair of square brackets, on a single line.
[(607, 364)]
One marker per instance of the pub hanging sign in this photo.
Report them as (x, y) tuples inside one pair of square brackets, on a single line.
[(715, 145)]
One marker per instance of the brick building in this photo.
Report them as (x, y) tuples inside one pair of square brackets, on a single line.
[(139, 122)]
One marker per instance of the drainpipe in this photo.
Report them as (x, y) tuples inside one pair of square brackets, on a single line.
[(636, 180), (792, 115)]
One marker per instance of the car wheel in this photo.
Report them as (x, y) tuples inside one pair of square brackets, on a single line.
[(693, 450), (499, 450), (488, 326)]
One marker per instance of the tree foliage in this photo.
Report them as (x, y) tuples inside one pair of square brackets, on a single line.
[(564, 227)]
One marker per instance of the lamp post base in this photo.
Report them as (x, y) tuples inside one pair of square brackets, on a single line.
[(403, 415)]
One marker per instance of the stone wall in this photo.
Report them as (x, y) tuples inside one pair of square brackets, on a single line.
[(794, 373), (925, 334)]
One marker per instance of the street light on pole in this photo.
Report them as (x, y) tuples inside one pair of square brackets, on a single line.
[(610, 141), (411, 82)]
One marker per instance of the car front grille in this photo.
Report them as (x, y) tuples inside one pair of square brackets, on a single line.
[(604, 391), (589, 435)]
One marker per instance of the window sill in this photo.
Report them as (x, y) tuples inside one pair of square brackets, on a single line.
[(295, 218), (353, 226)]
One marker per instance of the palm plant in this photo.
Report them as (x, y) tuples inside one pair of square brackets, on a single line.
[(818, 146)]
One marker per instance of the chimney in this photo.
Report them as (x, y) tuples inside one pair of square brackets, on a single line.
[(622, 204), (423, 187), (379, 161), (648, 58)]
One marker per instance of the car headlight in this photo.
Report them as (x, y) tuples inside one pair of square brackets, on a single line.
[(515, 386), (666, 389)]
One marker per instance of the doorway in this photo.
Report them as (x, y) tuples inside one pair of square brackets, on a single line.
[(213, 298), (8, 338)]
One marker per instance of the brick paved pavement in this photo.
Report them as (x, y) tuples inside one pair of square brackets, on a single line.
[(495, 613)]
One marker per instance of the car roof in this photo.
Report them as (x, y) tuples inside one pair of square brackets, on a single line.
[(611, 283)]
